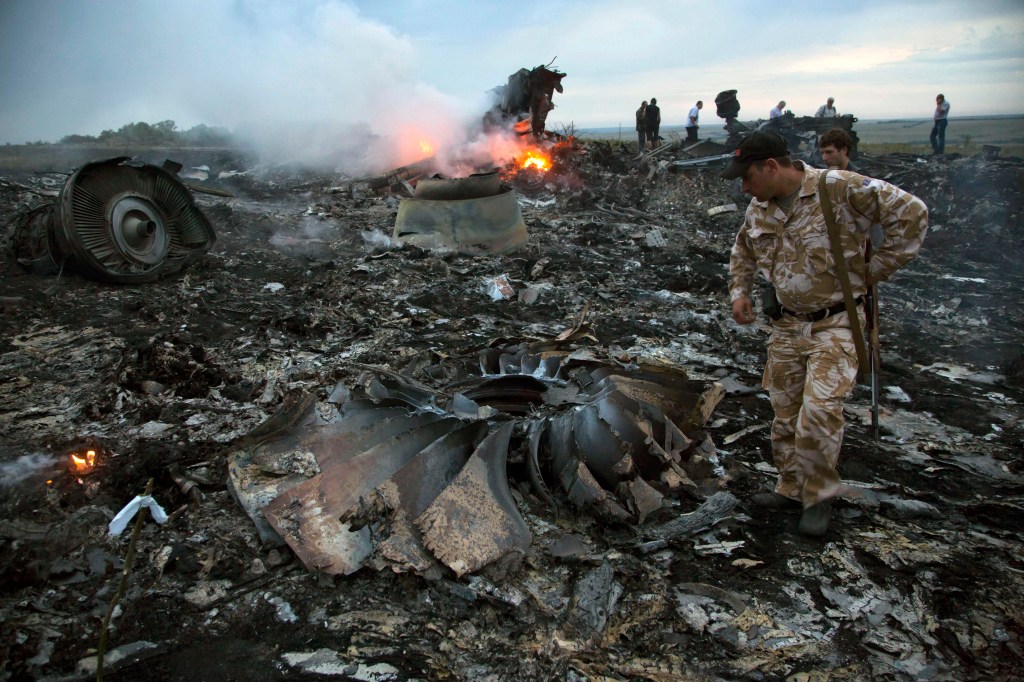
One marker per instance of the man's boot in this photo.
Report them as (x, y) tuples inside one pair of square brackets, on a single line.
[(774, 500), (814, 520)]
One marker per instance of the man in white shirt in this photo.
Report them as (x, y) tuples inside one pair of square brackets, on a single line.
[(691, 122), (826, 110), (777, 111)]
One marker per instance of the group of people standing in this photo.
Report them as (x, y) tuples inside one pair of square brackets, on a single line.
[(648, 120), (648, 123), (940, 118)]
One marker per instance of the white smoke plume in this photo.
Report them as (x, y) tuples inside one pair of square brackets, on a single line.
[(24, 468), (335, 90), (312, 82)]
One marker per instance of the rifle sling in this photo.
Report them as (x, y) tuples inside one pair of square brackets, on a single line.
[(863, 361)]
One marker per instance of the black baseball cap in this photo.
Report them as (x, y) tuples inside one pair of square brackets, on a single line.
[(757, 146)]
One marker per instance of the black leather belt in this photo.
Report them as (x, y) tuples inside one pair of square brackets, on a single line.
[(818, 315)]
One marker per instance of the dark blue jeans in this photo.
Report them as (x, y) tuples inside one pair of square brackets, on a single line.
[(938, 136)]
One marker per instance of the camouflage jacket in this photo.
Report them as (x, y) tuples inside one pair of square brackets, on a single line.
[(794, 253)]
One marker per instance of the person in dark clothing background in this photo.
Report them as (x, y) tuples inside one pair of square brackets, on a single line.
[(641, 127), (653, 122)]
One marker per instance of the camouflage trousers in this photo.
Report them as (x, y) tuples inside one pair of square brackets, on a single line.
[(811, 368)]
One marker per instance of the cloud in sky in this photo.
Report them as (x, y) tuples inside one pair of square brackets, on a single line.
[(282, 70)]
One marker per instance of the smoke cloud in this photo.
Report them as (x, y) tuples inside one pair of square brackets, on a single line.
[(309, 82), (24, 468)]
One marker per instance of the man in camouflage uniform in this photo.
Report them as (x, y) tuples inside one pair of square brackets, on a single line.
[(812, 361)]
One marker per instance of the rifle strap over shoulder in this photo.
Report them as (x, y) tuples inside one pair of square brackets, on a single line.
[(835, 240)]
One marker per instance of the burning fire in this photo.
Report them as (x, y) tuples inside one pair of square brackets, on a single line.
[(83, 464), (426, 147), (534, 158)]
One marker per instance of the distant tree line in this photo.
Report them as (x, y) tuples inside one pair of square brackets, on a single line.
[(156, 134)]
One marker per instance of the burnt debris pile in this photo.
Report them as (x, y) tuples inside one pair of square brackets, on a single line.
[(472, 477)]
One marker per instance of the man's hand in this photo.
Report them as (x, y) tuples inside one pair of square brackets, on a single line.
[(743, 310)]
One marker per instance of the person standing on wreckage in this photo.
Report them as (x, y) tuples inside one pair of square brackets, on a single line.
[(641, 127), (812, 360), (652, 122)]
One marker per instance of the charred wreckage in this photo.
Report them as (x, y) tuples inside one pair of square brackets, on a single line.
[(411, 399)]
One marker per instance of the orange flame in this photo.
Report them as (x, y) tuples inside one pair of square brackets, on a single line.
[(535, 159), (85, 463), (426, 147)]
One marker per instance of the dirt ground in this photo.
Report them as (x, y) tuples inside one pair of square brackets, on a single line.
[(918, 578)]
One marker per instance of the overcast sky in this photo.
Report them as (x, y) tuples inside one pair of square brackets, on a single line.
[(77, 66)]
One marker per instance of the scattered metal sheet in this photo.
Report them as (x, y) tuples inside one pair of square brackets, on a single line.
[(569, 546), (716, 508), (724, 208), (733, 437), (308, 516), (474, 521), (593, 603), (392, 507), (703, 161), (476, 186), (641, 498), (256, 478), (705, 148), (476, 226)]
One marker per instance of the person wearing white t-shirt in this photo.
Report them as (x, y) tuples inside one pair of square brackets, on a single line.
[(692, 120)]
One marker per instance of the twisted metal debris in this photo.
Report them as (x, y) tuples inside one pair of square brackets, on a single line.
[(411, 480)]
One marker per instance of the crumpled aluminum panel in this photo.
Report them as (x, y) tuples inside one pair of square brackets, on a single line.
[(411, 484), (475, 226), (395, 504), (308, 516), (474, 521)]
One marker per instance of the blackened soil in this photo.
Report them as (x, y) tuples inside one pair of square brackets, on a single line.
[(293, 298)]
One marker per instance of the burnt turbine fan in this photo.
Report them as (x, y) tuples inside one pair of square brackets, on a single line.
[(127, 223)]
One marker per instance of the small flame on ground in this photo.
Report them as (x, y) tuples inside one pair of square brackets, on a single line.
[(83, 463)]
